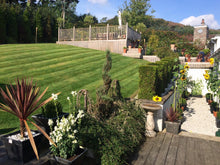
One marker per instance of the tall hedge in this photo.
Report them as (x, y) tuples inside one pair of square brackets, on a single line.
[(147, 81), (154, 78)]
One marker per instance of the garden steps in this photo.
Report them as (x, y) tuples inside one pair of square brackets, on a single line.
[(180, 149), (133, 53)]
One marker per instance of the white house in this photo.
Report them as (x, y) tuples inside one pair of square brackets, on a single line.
[(214, 44)]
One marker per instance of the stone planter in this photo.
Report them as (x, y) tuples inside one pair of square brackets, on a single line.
[(74, 160), (22, 151), (42, 121), (173, 127)]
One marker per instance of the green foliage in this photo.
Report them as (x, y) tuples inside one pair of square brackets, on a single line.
[(141, 27), (197, 88), (89, 19), (135, 11), (153, 42), (107, 93), (118, 137), (154, 78), (163, 52), (52, 109), (147, 81)]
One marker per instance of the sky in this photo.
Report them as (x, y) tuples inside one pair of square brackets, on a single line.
[(187, 12)]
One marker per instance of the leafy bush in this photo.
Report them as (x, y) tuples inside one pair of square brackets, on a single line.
[(52, 109), (117, 137)]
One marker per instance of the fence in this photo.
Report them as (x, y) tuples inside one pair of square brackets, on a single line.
[(93, 33)]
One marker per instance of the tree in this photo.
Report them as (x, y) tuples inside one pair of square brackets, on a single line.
[(89, 19), (63, 7), (135, 11), (141, 27), (103, 20)]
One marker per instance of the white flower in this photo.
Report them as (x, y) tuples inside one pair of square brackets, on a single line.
[(74, 141), (68, 98), (54, 96), (74, 93), (75, 131), (50, 122)]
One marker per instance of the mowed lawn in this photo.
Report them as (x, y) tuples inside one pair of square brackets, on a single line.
[(63, 69)]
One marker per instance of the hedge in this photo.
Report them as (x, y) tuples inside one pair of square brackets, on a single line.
[(154, 78), (147, 81)]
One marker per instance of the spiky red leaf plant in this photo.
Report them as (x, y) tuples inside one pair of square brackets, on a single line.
[(172, 115), (22, 100)]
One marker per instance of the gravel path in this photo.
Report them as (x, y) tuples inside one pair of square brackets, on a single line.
[(199, 119)]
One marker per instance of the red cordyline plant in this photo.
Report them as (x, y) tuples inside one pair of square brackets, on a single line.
[(21, 100), (172, 115)]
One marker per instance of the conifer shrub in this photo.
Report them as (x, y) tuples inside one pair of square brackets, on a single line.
[(147, 81)]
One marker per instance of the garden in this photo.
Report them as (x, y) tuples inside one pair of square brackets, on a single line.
[(68, 124)]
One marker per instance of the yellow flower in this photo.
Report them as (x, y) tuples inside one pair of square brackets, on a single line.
[(186, 67), (183, 78), (182, 71), (186, 63), (207, 71), (157, 98), (212, 61), (206, 76)]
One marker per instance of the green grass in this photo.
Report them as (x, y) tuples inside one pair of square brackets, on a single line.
[(63, 69)]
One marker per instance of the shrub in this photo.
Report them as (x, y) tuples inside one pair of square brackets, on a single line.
[(52, 109), (147, 81)]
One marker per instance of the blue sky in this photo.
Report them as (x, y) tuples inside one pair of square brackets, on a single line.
[(188, 12)]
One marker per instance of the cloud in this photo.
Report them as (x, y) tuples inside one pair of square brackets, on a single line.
[(98, 1), (209, 20)]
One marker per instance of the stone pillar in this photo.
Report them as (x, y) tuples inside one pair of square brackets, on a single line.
[(107, 31)]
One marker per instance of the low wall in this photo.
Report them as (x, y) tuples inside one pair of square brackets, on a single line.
[(159, 116), (151, 58), (115, 46)]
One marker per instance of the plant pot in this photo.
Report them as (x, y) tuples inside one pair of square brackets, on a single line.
[(124, 50), (215, 113), (22, 151), (173, 127), (139, 50), (42, 121), (74, 160), (210, 101), (217, 123)]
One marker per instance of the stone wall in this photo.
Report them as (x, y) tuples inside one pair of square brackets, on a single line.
[(115, 46)]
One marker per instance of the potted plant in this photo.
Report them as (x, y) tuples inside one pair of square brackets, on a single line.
[(65, 135), (21, 100), (51, 110), (173, 122), (218, 120), (213, 108), (208, 97), (139, 48), (182, 103), (124, 49)]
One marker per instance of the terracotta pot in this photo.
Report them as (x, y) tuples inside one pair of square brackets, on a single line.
[(199, 60), (139, 50), (215, 113), (125, 51), (188, 60), (210, 101)]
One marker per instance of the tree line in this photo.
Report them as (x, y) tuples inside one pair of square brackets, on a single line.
[(29, 21)]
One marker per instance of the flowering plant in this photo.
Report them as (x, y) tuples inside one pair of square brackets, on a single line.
[(65, 135)]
